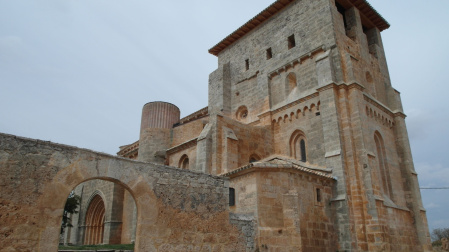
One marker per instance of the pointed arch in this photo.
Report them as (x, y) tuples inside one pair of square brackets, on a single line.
[(298, 146), (383, 165), (95, 221)]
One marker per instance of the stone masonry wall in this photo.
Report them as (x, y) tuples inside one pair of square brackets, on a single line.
[(245, 187), (185, 132), (305, 117), (177, 209), (289, 215), (288, 211), (251, 140), (312, 28), (174, 159)]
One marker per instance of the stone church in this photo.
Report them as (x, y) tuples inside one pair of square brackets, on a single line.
[(303, 143)]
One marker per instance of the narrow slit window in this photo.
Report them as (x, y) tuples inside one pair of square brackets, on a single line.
[(291, 42), (302, 144), (247, 64), (269, 53), (231, 196), (318, 195)]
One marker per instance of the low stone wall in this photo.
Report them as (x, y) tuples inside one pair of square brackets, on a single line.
[(178, 210)]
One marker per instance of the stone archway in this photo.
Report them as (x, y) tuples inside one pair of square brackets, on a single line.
[(36, 177)]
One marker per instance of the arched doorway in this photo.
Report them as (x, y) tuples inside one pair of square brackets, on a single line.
[(95, 221)]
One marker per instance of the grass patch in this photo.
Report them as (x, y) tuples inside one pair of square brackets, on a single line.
[(94, 247)]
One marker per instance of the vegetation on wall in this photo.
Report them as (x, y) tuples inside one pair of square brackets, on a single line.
[(70, 207)]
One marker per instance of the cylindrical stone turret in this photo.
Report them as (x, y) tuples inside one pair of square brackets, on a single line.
[(157, 120), (159, 115)]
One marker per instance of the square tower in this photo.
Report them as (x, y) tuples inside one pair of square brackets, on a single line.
[(312, 76)]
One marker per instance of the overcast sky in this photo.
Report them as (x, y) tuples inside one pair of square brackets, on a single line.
[(79, 71)]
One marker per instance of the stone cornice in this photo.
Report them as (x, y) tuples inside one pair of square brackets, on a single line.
[(195, 115), (298, 60), (371, 100), (289, 105), (326, 87), (182, 146), (399, 114)]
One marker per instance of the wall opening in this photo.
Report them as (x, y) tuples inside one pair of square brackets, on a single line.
[(291, 41), (348, 19), (247, 64), (106, 213), (269, 53), (342, 11), (231, 196), (373, 39), (242, 113), (302, 145), (318, 195), (184, 162), (298, 146)]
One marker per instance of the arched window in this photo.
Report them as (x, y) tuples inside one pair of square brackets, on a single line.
[(298, 146), (184, 162), (290, 82), (383, 165), (95, 221)]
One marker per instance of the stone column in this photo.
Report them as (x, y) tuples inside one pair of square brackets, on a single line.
[(113, 215)]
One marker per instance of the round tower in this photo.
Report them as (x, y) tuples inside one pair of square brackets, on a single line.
[(159, 115), (157, 120)]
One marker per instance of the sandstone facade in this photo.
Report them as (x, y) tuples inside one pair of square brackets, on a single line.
[(302, 147)]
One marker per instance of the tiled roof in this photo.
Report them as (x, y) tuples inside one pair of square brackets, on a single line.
[(280, 163), (364, 7)]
